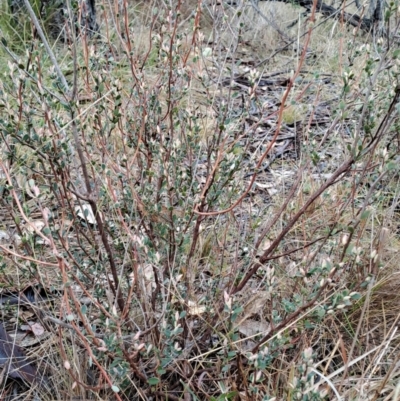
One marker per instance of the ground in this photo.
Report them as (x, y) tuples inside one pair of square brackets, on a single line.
[(201, 203)]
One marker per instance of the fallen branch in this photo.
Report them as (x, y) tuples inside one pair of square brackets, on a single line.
[(364, 23)]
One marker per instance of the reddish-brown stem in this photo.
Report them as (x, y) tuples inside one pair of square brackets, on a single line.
[(253, 269), (277, 131), (293, 316)]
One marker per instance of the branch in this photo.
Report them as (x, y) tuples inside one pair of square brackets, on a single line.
[(46, 45)]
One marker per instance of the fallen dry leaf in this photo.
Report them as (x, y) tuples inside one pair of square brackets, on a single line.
[(251, 327), (13, 359), (195, 309), (37, 329), (86, 213), (256, 303)]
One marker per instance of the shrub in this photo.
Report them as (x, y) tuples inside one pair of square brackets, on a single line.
[(192, 261)]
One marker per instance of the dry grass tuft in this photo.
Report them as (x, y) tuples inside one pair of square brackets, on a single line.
[(212, 216)]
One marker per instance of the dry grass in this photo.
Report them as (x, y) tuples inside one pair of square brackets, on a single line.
[(167, 134)]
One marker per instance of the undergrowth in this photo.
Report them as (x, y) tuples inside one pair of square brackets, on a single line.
[(203, 229)]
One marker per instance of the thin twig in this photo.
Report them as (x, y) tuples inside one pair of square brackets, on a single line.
[(46, 45)]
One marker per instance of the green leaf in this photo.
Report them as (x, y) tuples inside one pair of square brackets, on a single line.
[(153, 381), (225, 397), (115, 389), (308, 325), (46, 231), (365, 214)]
